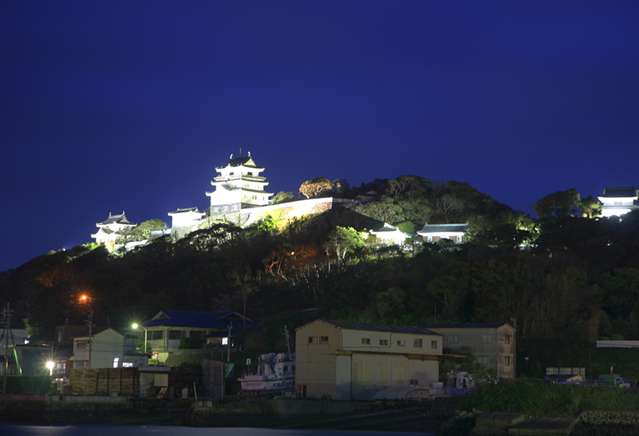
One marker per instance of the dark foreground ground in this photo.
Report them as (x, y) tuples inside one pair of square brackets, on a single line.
[(108, 430)]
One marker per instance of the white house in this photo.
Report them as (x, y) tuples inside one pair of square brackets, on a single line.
[(107, 349), (619, 201), (238, 184), (436, 232), (348, 361), (390, 235), (111, 229)]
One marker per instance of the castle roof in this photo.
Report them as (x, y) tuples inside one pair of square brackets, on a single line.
[(186, 210), (620, 191), (116, 219), (446, 228)]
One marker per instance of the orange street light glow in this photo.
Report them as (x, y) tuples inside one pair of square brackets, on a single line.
[(84, 298)]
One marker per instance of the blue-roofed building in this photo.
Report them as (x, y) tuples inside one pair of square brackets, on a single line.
[(167, 331), (436, 232)]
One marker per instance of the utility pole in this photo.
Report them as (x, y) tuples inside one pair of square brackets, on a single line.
[(228, 342), (7, 340), (90, 324)]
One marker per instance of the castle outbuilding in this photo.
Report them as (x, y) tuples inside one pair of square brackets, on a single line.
[(111, 229), (618, 201)]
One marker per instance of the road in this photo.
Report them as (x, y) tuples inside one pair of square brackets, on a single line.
[(112, 430)]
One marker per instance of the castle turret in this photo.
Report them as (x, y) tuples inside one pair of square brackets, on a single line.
[(111, 229), (238, 185)]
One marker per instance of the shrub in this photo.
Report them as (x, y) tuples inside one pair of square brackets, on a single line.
[(602, 423)]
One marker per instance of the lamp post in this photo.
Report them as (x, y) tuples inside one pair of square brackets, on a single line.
[(86, 299)]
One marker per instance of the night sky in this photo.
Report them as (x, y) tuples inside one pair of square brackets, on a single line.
[(130, 105)]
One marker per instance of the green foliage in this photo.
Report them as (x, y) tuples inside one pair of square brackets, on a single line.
[(536, 398), (406, 227), (142, 231), (345, 241), (560, 204), (590, 207), (283, 197), (602, 423)]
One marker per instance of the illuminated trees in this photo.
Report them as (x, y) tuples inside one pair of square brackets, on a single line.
[(317, 187)]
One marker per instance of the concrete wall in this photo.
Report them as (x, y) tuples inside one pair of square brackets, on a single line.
[(315, 362), (487, 345), (376, 376)]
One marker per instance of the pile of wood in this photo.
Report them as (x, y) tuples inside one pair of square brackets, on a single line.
[(104, 381)]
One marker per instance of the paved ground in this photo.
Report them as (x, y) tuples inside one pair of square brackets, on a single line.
[(107, 430)]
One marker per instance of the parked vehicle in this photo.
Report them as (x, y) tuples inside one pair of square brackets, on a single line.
[(613, 380)]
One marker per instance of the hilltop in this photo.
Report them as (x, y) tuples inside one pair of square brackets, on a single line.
[(576, 280)]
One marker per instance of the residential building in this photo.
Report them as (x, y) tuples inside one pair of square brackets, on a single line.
[(110, 230), (390, 235), (437, 232), (171, 331), (107, 349), (618, 201), (348, 361), (493, 345)]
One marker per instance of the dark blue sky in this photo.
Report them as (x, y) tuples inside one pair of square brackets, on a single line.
[(130, 105)]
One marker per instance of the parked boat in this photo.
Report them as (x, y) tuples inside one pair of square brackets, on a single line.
[(275, 373)]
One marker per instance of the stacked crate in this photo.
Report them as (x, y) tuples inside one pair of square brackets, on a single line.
[(104, 381)]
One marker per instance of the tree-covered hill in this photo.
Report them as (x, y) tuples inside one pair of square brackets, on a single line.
[(577, 280)]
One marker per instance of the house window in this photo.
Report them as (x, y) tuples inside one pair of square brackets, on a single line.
[(453, 339), (366, 341), (383, 342), (507, 360), (82, 345), (323, 340), (401, 343), (433, 345), (116, 362), (310, 339), (507, 339), (176, 334), (418, 343)]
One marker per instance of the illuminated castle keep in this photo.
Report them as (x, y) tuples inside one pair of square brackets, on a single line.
[(619, 201), (110, 230), (237, 186), (239, 198)]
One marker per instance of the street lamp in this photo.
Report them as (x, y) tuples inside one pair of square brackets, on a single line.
[(50, 364), (135, 326), (85, 299)]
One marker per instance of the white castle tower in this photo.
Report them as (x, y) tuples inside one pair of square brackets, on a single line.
[(111, 229), (238, 185)]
